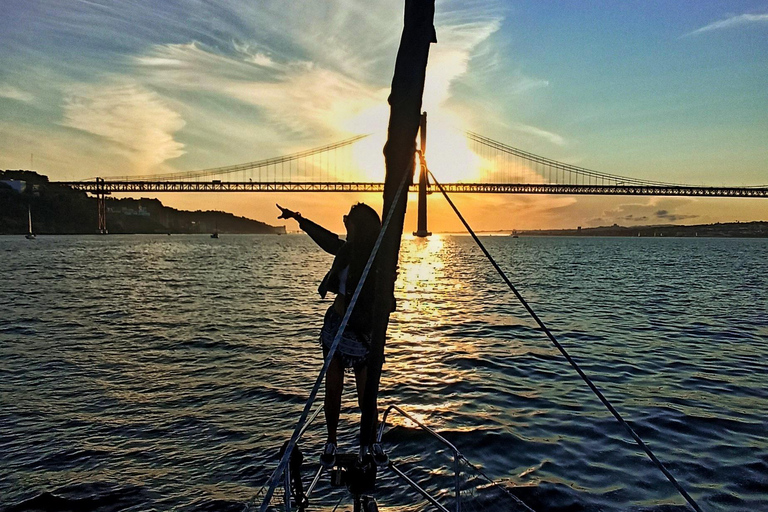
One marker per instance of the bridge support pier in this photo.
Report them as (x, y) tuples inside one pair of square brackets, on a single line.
[(101, 204), (421, 227), (421, 230)]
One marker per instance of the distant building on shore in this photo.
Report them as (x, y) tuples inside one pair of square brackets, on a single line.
[(139, 211), (18, 185)]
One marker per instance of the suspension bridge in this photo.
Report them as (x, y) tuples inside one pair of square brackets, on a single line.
[(341, 167), (332, 168)]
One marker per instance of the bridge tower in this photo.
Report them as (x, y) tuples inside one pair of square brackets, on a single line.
[(421, 229)]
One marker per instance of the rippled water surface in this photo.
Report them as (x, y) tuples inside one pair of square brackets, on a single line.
[(147, 372)]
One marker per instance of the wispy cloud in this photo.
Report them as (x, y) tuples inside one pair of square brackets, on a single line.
[(67, 155), (316, 90), (672, 217), (242, 77), (254, 55), (652, 211), (738, 20), (538, 132), (138, 123), (479, 66), (13, 93), (300, 97), (449, 59)]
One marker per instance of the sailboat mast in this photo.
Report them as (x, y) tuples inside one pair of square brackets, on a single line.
[(399, 152), (29, 211)]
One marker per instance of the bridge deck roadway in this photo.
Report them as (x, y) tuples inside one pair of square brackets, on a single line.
[(108, 187)]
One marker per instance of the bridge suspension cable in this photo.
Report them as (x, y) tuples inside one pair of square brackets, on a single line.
[(530, 167), (248, 166)]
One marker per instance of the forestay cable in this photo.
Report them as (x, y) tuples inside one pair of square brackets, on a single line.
[(275, 478), (562, 350)]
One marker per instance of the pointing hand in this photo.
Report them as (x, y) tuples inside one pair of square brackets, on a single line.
[(285, 213)]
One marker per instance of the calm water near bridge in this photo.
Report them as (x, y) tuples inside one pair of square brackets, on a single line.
[(157, 372)]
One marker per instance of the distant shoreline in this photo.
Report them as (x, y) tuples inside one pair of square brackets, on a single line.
[(755, 229)]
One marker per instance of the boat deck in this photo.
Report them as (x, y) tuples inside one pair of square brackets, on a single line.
[(404, 484)]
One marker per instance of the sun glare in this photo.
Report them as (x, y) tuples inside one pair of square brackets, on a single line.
[(367, 156), (449, 155)]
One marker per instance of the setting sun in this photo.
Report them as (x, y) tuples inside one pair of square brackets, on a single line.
[(449, 155)]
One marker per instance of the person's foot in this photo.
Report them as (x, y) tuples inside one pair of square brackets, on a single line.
[(364, 459), (362, 454), (328, 457), (380, 457)]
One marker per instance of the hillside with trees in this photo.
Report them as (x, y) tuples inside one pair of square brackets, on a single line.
[(58, 209)]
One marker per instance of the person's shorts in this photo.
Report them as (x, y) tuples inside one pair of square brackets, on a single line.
[(353, 347)]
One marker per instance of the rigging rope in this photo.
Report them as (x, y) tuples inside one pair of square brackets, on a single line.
[(275, 478), (562, 350), (338, 503), (503, 489)]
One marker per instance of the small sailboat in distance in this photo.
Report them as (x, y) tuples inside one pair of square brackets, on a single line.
[(31, 234), (215, 233)]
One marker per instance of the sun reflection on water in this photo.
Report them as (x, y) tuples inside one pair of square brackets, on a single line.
[(421, 262), (422, 279), (430, 294)]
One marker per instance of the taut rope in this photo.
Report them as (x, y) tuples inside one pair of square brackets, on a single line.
[(562, 350)]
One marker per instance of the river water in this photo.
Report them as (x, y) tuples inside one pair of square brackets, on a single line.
[(164, 372)]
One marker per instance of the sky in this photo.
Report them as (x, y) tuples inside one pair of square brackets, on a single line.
[(671, 91)]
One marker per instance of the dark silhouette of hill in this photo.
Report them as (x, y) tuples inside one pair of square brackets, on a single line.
[(58, 209)]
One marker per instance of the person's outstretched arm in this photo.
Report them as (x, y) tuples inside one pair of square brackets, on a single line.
[(327, 240)]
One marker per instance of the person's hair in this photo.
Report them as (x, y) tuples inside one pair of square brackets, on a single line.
[(366, 229)]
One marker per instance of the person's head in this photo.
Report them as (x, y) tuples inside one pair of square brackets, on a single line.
[(363, 224)]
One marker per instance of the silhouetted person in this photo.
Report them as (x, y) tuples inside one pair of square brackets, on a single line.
[(363, 226)]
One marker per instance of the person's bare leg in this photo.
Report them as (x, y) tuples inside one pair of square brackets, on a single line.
[(334, 386), (361, 374)]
